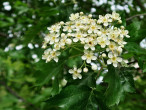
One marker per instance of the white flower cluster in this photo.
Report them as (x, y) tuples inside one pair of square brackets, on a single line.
[(90, 33)]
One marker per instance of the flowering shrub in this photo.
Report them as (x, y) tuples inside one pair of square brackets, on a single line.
[(102, 41)]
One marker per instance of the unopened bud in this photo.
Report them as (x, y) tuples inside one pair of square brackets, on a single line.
[(90, 15), (81, 13), (120, 21), (94, 67), (61, 22), (85, 69), (69, 41), (103, 55)]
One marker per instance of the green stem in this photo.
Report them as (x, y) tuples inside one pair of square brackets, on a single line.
[(77, 48)]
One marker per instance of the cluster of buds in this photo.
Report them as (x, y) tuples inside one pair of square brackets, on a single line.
[(90, 33)]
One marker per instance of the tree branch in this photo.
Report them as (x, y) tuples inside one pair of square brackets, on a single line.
[(12, 92), (3, 34), (127, 19), (16, 95), (140, 4)]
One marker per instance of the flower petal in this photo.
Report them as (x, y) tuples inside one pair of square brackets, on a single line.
[(109, 61)]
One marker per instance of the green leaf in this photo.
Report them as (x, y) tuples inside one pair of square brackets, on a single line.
[(134, 48), (69, 97), (113, 93), (127, 80), (74, 61), (127, 55), (133, 30), (134, 26), (88, 80), (74, 98), (5, 21), (137, 34), (144, 67), (141, 35), (47, 70), (47, 11), (55, 89), (119, 81), (21, 7)]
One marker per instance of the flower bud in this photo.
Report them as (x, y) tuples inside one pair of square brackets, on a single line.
[(81, 13), (120, 21), (122, 27), (85, 69), (90, 15), (103, 55), (94, 67), (63, 82), (62, 35), (61, 22), (68, 41)]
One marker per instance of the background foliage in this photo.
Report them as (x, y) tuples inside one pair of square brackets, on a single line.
[(28, 83)]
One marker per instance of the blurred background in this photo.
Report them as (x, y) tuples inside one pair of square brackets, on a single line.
[(23, 25)]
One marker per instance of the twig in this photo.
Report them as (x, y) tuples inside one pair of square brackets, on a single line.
[(12, 92), (16, 95), (75, 56), (132, 62), (99, 72), (3, 34), (140, 4), (144, 14)]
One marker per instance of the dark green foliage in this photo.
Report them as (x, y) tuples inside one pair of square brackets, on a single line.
[(29, 83)]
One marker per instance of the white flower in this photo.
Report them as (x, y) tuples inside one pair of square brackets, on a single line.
[(104, 20), (94, 67), (57, 46), (112, 46), (85, 69), (54, 28), (76, 73), (74, 16), (78, 36), (64, 40), (104, 32), (103, 41), (89, 33), (54, 54), (78, 25), (113, 35), (88, 56), (46, 55), (120, 41), (90, 42), (116, 16), (119, 50), (93, 28), (68, 28), (54, 38), (124, 33), (113, 59)]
